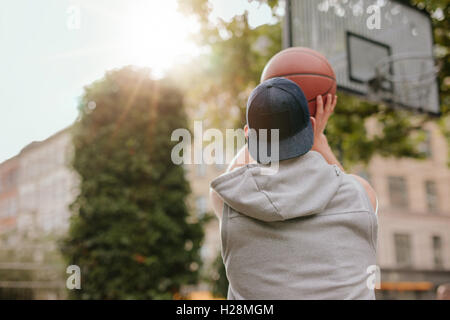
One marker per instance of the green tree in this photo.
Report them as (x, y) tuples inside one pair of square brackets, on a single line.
[(131, 233)]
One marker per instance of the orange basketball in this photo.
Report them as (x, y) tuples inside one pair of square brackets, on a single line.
[(306, 67)]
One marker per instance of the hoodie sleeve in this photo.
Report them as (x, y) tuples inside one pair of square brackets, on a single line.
[(239, 190)]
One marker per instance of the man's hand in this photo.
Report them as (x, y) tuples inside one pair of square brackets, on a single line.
[(320, 120), (320, 145)]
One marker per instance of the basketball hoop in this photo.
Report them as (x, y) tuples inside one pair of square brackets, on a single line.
[(405, 79), (392, 64)]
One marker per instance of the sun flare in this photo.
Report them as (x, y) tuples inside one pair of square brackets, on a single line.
[(154, 34)]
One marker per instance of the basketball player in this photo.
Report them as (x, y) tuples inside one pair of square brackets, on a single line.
[(309, 230)]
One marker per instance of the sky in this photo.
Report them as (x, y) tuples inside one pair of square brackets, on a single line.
[(51, 49)]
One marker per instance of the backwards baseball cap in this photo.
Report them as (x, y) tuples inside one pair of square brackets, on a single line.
[(279, 103)]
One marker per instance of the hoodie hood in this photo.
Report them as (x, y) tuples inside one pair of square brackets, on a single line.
[(302, 186)]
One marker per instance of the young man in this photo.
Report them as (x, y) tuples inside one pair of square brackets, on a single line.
[(309, 230)]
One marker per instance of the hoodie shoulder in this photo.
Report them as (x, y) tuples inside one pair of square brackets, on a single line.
[(302, 186), (240, 191)]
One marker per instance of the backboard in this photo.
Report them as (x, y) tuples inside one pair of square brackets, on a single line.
[(381, 50)]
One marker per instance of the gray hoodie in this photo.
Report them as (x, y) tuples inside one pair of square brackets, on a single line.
[(307, 232)]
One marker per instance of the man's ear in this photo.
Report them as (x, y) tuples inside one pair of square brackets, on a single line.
[(246, 131)]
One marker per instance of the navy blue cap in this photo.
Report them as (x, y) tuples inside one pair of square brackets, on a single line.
[(279, 103)]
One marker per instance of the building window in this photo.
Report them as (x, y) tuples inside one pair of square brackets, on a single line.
[(365, 175), (201, 170), (12, 207), (398, 192), (220, 166), (425, 146), (201, 206), (8, 181), (432, 196), (403, 254), (437, 252)]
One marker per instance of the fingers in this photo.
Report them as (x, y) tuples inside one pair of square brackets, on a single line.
[(324, 112), (334, 102), (319, 105), (327, 110), (330, 104)]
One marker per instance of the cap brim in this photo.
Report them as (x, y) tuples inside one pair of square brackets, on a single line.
[(291, 147)]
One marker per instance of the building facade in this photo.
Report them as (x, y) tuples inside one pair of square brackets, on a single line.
[(37, 188), (414, 220), (46, 185), (9, 197)]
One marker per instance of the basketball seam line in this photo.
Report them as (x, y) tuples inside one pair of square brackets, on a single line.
[(305, 74)]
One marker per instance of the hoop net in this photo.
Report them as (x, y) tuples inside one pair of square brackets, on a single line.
[(405, 80)]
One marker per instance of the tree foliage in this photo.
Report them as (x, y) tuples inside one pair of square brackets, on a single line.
[(130, 232)]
